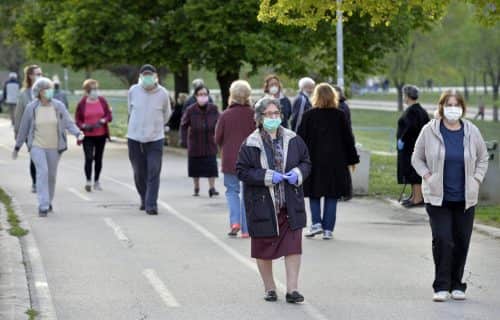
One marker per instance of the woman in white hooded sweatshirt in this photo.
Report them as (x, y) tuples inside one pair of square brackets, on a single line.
[(451, 156)]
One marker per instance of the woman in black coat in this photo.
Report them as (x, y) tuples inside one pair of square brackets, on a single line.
[(328, 136), (272, 164), (409, 125)]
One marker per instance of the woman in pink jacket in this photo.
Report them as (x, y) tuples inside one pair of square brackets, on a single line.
[(451, 157)]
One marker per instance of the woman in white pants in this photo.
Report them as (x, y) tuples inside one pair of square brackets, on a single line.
[(43, 128)]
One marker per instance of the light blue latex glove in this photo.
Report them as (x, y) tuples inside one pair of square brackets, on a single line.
[(291, 177), (401, 144), (277, 177)]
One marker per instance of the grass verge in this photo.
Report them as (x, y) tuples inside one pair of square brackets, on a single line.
[(32, 314), (15, 229)]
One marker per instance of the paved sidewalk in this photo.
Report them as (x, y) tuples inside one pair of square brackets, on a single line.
[(14, 293)]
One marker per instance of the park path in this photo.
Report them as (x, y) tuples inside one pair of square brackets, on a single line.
[(105, 259)]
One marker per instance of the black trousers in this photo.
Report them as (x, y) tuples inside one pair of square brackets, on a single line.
[(146, 160), (451, 227), (93, 148)]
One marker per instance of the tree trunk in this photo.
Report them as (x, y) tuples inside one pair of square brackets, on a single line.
[(88, 73), (162, 74), (474, 82), (225, 79), (466, 89), (399, 87), (485, 83), (128, 74), (181, 80)]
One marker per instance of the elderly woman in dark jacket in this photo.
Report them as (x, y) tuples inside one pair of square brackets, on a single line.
[(198, 135), (329, 138), (272, 164), (410, 124)]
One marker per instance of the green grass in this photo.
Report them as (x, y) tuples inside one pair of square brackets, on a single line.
[(12, 218), (32, 314), (488, 214), (430, 97)]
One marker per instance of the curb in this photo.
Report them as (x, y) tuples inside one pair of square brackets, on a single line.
[(489, 231), (41, 299), (14, 291)]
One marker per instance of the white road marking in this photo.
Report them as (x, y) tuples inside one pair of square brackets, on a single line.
[(79, 194), (118, 232), (160, 287)]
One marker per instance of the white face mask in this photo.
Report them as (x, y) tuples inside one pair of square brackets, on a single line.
[(452, 113), (94, 94), (274, 90)]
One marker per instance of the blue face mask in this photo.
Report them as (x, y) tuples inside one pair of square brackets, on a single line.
[(148, 81), (48, 94), (271, 124)]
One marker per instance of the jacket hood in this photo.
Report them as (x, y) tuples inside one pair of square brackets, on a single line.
[(436, 123)]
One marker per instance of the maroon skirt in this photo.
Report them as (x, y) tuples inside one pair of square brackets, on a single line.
[(288, 242)]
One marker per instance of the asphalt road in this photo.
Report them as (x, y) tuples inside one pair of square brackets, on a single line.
[(105, 259)]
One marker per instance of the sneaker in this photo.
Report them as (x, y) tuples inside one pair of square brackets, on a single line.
[(294, 297), (327, 235), (458, 295), (42, 213), (152, 212), (33, 188), (271, 296), (235, 228), (97, 186), (314, 230), (88, 186), (245, 235), (441, 296)]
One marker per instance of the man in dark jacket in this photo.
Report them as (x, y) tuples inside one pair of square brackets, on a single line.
[(301, 103), (409, 125), (10, 93)]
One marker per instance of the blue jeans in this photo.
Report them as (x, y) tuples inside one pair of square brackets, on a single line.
[(146, 160), (329, 212), (235, 202)]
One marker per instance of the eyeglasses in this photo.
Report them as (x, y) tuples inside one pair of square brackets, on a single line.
[(270, 114)]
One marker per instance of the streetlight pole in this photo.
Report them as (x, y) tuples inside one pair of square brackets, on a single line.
[(340, 47)]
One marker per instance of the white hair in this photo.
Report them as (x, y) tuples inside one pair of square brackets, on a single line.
[(13, 75), (197, 83), (240, 92), (305, 81), (39, 85)]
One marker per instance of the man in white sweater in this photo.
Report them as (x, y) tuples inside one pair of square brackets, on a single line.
[(149, 111)]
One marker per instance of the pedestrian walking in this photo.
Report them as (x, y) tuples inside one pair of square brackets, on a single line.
[(409, 125), (451, 157), (343, 104), (198, 135), (272, 163), (192, 98), (11, 90), (92, 116), (149, 111), (175, 120), (43, 128), (480, 109), (274, 88), (301, 102), (59, 94), (235, 124), (330, 141), (31, 74)]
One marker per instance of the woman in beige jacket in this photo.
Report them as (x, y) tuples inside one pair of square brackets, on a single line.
[(451, 156)]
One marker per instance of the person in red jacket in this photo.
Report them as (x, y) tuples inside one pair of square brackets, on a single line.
[(234, 126), (92, 116)]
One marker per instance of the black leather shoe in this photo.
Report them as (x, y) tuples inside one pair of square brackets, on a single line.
[(212, 192), (50, 208), (294, 297), (411, 204), (152, 212), (142, 207), (196, 192), (271, 296)]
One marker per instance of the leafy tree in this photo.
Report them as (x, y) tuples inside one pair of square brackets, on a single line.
[(310, 12)]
